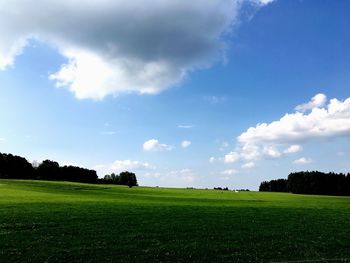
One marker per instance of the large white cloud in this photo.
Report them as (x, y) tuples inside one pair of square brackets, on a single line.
[(333, 120), (115, 46), (318, 120)]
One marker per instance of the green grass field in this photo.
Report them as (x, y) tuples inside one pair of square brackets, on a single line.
[(60, 221)]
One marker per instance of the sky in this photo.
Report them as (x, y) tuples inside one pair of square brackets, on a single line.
[(185, 94)]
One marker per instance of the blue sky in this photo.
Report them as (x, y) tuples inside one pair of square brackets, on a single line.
[(170, 91)]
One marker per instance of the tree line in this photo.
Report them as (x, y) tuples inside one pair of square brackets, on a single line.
[(314, 182), (124, 178), (17, 167)]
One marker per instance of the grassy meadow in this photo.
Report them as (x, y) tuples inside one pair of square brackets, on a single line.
[(63, 222)]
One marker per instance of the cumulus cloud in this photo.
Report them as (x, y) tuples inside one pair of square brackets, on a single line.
[(271, 151), (212, 159), (318, 101), (333, 120), (293, 149), (303, 160), (323, 121), (185, 144), (155, 146), (231, 157), (248, 165), (115, 46), (123, 165)]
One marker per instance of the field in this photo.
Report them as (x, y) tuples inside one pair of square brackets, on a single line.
[(60, 221)]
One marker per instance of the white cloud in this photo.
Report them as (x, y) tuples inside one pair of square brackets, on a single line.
[(271, 151), (264, 2), (249, 152), (289, 132), (341, 154), (293, 149), (328, 122), (181, 178), (108, 133), (318, 101), (122, 165), (223, 146), (215, 99), (212, 159), (184, 126), (116, 46), (2, 139), (248, 165), (229, 172), (303, 160), (231, 157), (185, 144), (186, 175), (155, 146)]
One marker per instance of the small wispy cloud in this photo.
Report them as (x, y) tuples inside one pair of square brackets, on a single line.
[(229, 172), (224, 145), (293, 149), (215, 99), (303, 160), (185, 126), (181, 178), (153, 145), (185, 144), (248, 165), (231, 157), (108, 132)]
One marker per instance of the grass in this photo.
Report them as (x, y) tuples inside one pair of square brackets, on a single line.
[(64, 222)]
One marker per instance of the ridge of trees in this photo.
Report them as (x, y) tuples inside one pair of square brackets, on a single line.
[(17, 167), (124, 178), (314, 182)]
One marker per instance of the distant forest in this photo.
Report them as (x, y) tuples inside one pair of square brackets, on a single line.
[(17, 167), (314, 182)]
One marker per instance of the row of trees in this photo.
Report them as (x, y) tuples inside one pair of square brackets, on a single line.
[(16, 167), (124, 178), (314, 182), (51, 170), (279, 185)]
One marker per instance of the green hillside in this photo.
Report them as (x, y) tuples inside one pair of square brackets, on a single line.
[(59, 221)]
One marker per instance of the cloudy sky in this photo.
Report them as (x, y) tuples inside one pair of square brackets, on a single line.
[(199, 93)]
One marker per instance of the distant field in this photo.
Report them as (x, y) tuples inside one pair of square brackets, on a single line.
[(60, 221)]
